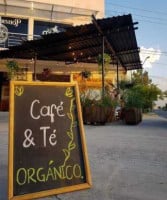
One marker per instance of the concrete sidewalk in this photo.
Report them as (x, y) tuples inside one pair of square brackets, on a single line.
[(127, 162)]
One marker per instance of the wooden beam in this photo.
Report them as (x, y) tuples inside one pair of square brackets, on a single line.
[(109, 46)]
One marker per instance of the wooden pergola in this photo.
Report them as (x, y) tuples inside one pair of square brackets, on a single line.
[(114, 36), (84, 43)]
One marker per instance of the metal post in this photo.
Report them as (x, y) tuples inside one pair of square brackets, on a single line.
[(103, 70), (117, 77), (35, 74)]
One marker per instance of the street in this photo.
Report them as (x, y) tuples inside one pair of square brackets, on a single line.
[(161, 113), (127, 162)]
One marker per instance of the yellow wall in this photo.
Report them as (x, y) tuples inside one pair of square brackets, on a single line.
[(95, 80)]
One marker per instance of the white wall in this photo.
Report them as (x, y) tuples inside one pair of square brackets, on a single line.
[(86, 4), (73, 12)]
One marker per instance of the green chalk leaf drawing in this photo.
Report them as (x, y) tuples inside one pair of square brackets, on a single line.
[(70, 134), (18, 90), (66, 152), (69, 92), (72, 146), (69, 115), (75, 124), (51, 162)]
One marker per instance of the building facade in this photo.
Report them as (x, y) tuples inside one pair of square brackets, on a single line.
[(25, 20), (22, 20)]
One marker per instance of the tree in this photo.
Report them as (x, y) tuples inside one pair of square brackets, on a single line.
[(145, 91), (140, 77), (150, 94), (165, 93)]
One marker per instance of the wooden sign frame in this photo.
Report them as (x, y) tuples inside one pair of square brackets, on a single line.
[(16, 89)]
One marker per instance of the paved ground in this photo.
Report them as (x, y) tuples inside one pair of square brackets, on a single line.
[(161, 113), (127, 162)]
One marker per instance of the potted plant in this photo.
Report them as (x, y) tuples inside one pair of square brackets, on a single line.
[(13, 68), (46, 73), (85, 74), (107, 60), (98, 111), (133, 103), (103, 61)]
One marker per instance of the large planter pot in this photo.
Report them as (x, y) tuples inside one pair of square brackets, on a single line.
[(132, 115), (110, 114), (95, 114)]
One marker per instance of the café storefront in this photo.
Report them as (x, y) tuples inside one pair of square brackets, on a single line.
[(14, 31), (75, 49)]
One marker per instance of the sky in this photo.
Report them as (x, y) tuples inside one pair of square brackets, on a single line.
[(151, 34)]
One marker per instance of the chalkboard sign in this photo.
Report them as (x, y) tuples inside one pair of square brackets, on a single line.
[(47, 150)]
